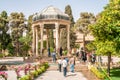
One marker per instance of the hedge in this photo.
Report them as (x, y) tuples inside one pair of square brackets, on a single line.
[(97, 72), (35, 73)]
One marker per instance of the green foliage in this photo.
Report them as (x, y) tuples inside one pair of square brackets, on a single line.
[(44, 44), (77, 46), (29, 24), (4, 36), (82, 24), (91, 46), (73, 38), (106, 29), (97, 72), (17, 23), (65, 52), (26, 77), (68, 11), (84, 21), (39, 45), (25, 42), (10, 48), (46, 65), (1, 55), (51, 49), (37, 72), (63, 42), (105, 47), (115, 74), (43, 68)]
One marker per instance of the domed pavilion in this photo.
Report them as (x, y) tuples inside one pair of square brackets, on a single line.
[(49, 18)]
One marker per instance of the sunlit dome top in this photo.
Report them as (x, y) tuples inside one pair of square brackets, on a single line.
[(50, 13)]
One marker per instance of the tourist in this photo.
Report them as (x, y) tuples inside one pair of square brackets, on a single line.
[(54, 56), (93, 57), (49, 52), (59, 61), (83, 56), (72, 63), (64, 65), (61, 51)]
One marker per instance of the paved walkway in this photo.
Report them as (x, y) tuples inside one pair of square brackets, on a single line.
[(12, 75), (54, 74)]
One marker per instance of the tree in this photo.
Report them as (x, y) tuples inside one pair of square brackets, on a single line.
[(63, 42), (68, 11), (83, 23), (29, 24), (4, 36), (26, 40), (17, 23), (107, 30)]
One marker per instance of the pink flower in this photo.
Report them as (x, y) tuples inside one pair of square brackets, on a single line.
[(4, 74)]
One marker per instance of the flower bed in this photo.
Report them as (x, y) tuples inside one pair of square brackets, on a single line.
[(97, 72), (3, 75), (38, 69)]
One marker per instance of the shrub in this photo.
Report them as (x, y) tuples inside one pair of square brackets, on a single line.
[(46, 65), (35, 73), (65, 52), (39, 71), (97, 72), (1, 55), (43, 68), (51, 49), (26, 77)]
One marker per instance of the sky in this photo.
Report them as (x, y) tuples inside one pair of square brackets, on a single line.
[(29, 7)]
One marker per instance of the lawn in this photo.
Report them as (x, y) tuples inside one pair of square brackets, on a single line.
[(114, 74)]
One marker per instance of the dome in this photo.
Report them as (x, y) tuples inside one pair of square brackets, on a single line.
[(50, 13)]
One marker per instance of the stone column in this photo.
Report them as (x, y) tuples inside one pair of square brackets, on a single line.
[(57, 36), (47, 38), (68, 37), (36, 29), (33, 41), (41, 28)]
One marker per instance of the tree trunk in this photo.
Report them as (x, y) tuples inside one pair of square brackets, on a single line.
[(109, 60), (84, 41), (17, 48)]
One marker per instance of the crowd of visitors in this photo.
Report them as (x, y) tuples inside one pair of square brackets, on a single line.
[(84, 56), (65, 61)]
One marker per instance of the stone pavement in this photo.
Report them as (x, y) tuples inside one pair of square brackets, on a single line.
[(56, 75), (12, 75), (53, 74)]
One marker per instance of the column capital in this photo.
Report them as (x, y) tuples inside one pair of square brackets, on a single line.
[(57, 25)]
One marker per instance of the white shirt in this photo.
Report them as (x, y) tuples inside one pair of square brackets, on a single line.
[(59, 61), (64, 63)]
